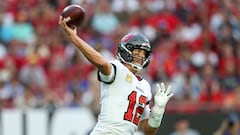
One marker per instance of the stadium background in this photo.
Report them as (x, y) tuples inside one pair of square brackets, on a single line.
[(196, 48)]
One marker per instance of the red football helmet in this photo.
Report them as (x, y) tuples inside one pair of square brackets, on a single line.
[(134, 41)]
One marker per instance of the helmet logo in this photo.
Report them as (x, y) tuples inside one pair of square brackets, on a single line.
[(146, 44), (127, 38)]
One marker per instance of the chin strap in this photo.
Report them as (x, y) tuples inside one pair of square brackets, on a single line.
[(136, 67)]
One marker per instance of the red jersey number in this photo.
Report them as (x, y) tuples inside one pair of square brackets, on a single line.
[(131, 106)]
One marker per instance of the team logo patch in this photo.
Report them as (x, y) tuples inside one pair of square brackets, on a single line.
[(129, 78)]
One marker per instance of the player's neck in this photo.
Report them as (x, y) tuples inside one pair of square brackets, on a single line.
[(130, 68)]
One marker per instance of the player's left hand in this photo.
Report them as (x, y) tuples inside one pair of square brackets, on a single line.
[(163, 95), (161, 99)]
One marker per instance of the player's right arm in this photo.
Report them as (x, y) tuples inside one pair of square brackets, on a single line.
[(91, 54)]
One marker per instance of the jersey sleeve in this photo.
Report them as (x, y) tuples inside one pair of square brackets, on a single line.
[(108, 79)]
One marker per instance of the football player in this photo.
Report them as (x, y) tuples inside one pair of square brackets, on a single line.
[(125, 95)]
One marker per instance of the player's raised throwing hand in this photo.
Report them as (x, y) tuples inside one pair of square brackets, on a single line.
[(71, 31)]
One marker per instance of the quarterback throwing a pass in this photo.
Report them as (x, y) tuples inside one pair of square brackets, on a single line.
[(125, 96)]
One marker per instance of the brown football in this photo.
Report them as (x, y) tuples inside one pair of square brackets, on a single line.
[(75, 15)]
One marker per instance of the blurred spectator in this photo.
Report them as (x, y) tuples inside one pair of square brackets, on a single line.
[(211, 96), (182, 127), (185, 82), (204, 56), (232, 99), (76, 99), (15, 89), (228, 29), (139, 21), (32, 73), (104, 51), (44, 17), (28, 100), (92, 95), (229, 126), (125, 5), (8, 69), (5, 96), (187, 86), (3, 51), (104, 21), (187, 90), (211, 93), (208, 73), (18, 28), (50, 100), (228, 67), (190, 31), (6, 27)]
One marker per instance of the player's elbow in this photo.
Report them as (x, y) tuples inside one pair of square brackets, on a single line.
[(105, 68)]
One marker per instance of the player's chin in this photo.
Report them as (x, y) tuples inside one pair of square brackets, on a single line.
[(138, 61)]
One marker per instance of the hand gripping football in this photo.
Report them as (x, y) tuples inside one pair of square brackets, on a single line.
[(74, 14)]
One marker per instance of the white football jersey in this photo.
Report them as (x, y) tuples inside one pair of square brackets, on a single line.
[(124, 102)]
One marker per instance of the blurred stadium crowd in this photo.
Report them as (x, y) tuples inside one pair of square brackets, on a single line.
[(196, 47)]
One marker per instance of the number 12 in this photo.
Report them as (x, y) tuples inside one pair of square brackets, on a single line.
[(139, 110)]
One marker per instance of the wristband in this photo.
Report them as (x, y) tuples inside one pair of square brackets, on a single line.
[(156, 116)]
